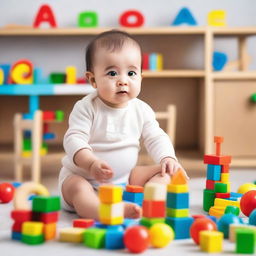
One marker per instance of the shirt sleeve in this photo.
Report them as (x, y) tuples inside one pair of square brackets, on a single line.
[(78, 133), (156, 141)]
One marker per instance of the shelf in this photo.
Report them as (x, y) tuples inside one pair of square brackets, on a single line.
[(172, 73), (45, 89), (29, 31), (235, 75), (233, 31)]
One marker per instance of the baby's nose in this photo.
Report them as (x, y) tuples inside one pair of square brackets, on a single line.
[(122, 82)]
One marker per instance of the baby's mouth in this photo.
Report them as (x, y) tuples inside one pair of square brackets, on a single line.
[(122, 92)]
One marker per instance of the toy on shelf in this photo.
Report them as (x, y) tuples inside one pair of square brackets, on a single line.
[(36, 225), (217, 18), (152, 61), (184, 16), (45, 15), (88, 20), (217, 195), (219, 60), (131, 19)]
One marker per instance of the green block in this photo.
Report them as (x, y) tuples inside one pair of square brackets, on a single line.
[(253, 98), (245, 241), (27, 144), (57, 78), (255, 182), (232, 209), (44, 145), (220, 188), (46, 204), (95, 238), (148, 222), (59, 115), (32, 240), (87, 20), (208, 201)]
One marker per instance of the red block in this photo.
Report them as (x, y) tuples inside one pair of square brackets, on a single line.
[(217, 160), (222, 195), (46, 218), (48, 115), (21, 215), (145, 61), (210, 184), (17, 226), (83, 223), (153, 209), (225, 168), (134, 189)]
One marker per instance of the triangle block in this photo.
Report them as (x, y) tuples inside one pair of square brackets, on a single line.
[(184, 17), (179, 178)]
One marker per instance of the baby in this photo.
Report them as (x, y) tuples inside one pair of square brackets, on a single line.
[(102, 141)]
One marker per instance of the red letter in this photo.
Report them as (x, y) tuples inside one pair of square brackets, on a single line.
[(45, 14), (125, 22)]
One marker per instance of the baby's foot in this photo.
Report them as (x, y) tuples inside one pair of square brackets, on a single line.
[(132, 211)]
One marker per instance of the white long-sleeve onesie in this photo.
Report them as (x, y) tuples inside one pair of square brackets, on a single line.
[(113, 135)]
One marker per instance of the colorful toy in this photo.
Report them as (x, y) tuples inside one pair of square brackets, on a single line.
[(136, 239), (211, 241), (22, 72), (219, 60), (72, 235), (83, 223), (160, 235), (6, 192), (245, 241), (232, 209), (225, 221), (133, 194), (87, 20), (114, 238), (217, 18), (248, 202), (252, 217), (45, 14), (199, 225), (125, 19), (184, 17), (246, 187), (70, 75)]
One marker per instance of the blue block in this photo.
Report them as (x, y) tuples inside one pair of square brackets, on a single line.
[(177, 200), (180, 226), (114, 238), (48, 136), (16, 184), (184, 17), (16, 236), (100, 225), (213, 172), (213, 218), (219, 60), (27, 134), (33, 103), (6, 69), (29, 116), (136, 198), (38, 77), (153, 61), (235, 195)]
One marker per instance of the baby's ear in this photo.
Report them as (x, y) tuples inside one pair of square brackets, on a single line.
[(90, 77)]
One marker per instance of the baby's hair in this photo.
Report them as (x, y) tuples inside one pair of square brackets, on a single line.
[(111, 40)]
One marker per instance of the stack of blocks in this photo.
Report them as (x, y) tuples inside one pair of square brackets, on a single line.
[(217, 194), (178, 206), (133, 194), (153, 206), (40, 224)]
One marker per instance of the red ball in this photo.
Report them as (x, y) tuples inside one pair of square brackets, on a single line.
[(6, 192), (136, 239), (201, 224), (248, 202)]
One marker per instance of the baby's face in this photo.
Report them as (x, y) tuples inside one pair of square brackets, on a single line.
[(118, 74)]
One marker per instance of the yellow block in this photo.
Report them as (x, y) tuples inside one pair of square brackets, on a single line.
[(32, 228), (1, 76), (19, 74), (155, 191), (108, 211), (112, 221), (110, 194), (224, 177), (26, 154), (173, 188), (72, 235), (217, 211), (50, 231), (224, 203), (70, 75), (211, 241), (159, 62), (177, 213), (43, 151), (217, 18)]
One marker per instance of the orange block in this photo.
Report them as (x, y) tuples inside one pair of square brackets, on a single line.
[(134, 189), (50, 231), (153, 209), (179, 178)]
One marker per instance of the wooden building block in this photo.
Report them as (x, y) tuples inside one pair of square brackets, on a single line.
[(32, 228), (177, 188), (72, 235), (153, 209), (110, 194), (211, 241), (155, 192)]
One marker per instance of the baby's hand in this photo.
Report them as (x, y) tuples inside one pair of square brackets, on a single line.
[(170, 166), (101, 171)]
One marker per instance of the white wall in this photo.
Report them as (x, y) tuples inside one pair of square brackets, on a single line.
[(53, 54)]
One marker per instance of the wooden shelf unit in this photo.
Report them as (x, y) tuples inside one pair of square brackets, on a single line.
[(206, 78)]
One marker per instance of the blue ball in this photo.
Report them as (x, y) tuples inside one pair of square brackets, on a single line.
[(224, 222), (252, 218)]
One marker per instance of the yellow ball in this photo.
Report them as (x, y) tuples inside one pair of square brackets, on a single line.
[(246, 187), (160, 235)]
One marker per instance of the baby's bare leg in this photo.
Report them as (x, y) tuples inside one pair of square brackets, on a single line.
[(79, 193), (140, 175)]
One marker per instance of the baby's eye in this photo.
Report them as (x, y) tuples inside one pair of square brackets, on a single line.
[(131, 73), (112, 73)]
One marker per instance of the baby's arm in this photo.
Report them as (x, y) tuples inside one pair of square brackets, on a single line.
[(98, 169)]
